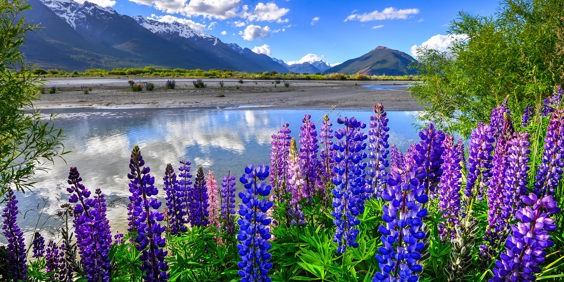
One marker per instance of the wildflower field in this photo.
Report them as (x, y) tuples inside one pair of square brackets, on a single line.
[(337, 204)]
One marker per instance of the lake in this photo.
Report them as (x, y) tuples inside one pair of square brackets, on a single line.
[(223, 140)]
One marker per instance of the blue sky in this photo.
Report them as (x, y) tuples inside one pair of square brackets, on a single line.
[(335, 30)]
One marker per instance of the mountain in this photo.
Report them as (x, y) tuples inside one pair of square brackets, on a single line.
[(75, 36), (310, 63), (379, 61)]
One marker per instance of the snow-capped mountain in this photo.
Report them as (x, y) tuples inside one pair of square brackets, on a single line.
[(310, 63), (74, 36)]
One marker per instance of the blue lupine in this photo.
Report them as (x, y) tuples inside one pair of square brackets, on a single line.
[(527, 115), (91, 227), (525, 247), (378, 150), (397, 159), (54, 258), (307, 159), (403, 234), (175, 201), (449, 187), (228, 203), (515, 182), (296, 186), (349, 192), (500, 121), (16, 256), (429, 152), (184, 182), (550, 169), (144, 212), (326, 152), (253, 226), (479, 161), (198, 201), (38, 245), (553, 102), (280, 148)]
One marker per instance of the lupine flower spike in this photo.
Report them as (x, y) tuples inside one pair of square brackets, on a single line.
[(198, 201), (213, 199), (349, 191), (175, 201), (253, 226), (429, 152), (278, 160), (296, 186), (449, 188), (377, 151), (326, 152), (307, 159), (16, 256), (146, 218), (550, 169), (228, 203), (38, 245), (479, 161)]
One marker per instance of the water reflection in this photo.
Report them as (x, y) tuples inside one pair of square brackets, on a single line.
[(100, 142)]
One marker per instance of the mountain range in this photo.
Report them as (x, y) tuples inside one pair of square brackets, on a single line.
[(73, 36)]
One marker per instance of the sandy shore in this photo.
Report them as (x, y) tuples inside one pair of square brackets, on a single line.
[(115, 93)]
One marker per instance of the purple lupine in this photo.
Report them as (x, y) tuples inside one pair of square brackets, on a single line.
[(307, 158), (515, 182), (349, 191), (228, 203), (16, 254), (198, 201), (213, 199), (146, 218), (500, 121), (296, 186), (429, 152), (38, 245), (175, 201), (553, 102), (479, 161), (397, 159), (184, 182), (449, 187), (253, 226), (91, 227), (550, 168), (377, 151), (525, 248), (54, 260), (278, 160), (326, 152), (527, 115), (403, 235)]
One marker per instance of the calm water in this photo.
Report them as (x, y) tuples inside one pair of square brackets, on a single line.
[(221, 140)]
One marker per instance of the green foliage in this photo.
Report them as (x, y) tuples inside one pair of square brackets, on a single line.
[(516, 54), (199, 83), (26, 140)]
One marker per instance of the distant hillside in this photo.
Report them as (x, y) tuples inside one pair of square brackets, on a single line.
[(380, 61)]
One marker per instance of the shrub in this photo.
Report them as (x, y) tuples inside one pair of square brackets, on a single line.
[(149, 86), (53, 90), (137, 87), (170, 84), (199, 83)]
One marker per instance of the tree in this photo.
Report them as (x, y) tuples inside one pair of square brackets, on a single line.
[(27, 140), (516, 54)]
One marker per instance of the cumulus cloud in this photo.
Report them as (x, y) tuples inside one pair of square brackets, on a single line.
[(309, 58), (198, 27), (264, 49), (223, 32), (212, 9), (389, 13), (269, 12), (438, 42), (314, 21), (239, 23), (102, 3), (378, 26), (253, 32)]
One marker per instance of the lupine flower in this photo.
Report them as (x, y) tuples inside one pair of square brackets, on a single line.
[(479, 161), (38, 245), (296, 186), (378, 150), (184, 182), (550, 169), (515, 182), (449, 187), (228, 203), (525, 248), (403, 232), (326, 152), (213, 198), (278, 160), (397, 158), (145, 213), (307, 159), (198, 201), (16, 256), (553, 102), (527, 114), (91, 227), (175, 201), (349, 191), (500, 121), (54, 261), (253, 226), (428, 152)]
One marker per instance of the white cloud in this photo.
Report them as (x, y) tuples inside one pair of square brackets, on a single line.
[(173, 6), (103, 3), (211, 9), (389, 13), (378, 26), (314, 21), (269, 12), (264, 49), (253, 32), (438, 42), (309, 58), (239, 23), (198, 27), (212, 25), (223, 32)]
